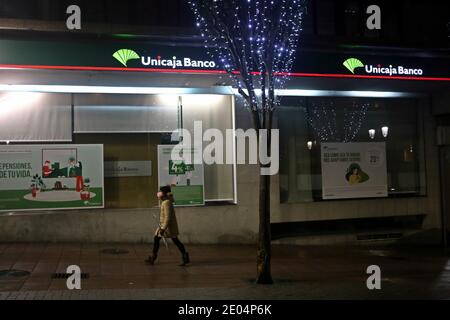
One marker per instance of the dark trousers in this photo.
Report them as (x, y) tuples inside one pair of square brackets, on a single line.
[(175, 240)]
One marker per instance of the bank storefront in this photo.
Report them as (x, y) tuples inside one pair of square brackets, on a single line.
[(86, 129)]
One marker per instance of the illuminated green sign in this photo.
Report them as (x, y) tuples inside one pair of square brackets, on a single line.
[(383, 70), (138, 56), (125, 55), (353, 63)]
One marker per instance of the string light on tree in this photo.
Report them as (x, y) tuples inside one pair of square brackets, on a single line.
[(254, 40), (331, 125)]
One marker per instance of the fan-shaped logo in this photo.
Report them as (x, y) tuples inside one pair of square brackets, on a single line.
[(125, 55), (352, 63)]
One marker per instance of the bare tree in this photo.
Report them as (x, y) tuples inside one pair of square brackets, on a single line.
[(255, 41)]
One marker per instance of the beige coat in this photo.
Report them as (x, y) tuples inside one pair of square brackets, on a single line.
[(167, 220)]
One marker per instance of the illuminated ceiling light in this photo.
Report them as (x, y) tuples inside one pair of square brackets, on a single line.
[(335, 93), (309, 144), (385, 131), (372, 134), (181, 90), (112, 89)]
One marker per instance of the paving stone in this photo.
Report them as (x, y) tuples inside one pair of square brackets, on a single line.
[(227, 272)]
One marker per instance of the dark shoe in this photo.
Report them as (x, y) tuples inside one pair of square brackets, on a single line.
[(151, 260), (186, 259)]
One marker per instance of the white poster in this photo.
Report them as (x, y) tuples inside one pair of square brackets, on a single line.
[(186, 180), (354, 170), (43, 177)]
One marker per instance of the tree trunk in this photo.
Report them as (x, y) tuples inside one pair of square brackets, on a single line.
[(264, 275)]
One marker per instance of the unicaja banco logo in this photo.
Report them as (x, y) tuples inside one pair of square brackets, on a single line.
[(353, 63), (125, 55)]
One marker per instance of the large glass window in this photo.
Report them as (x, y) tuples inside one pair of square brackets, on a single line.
[(132, 126), (306, 122), (35, 117)]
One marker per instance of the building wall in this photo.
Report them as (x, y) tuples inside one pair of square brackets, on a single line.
[(229, 223), (211, 224)]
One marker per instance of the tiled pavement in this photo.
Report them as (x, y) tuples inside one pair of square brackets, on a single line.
[(224, 272)]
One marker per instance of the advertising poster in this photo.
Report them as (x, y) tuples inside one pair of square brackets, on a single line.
[(186, 180), (354, 170), (42, 177)]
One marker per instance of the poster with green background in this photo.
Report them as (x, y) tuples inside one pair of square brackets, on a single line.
[(186, 180), (49, 177)]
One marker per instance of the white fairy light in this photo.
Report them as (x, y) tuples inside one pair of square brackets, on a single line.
[(322, 117), (255, 41), (385, 131)]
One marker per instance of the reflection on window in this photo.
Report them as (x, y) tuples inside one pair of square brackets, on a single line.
[(306, 122)]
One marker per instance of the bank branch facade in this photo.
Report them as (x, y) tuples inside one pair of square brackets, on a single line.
[(87, 127)]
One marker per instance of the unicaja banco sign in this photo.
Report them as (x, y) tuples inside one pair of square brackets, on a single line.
[(352, 64), (125, 55)]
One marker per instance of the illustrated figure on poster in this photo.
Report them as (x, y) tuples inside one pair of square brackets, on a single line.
[(189, 169), (168, 226), (355, 175), (175, 181), (85, 194), (47, 169), (75, 170), (188, 178)]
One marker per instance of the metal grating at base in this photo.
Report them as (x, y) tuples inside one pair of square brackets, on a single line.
[(67, 275), (13, 273), (379, 236)]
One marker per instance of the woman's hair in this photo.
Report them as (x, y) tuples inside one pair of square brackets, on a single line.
[(166, 190), (350, 170)]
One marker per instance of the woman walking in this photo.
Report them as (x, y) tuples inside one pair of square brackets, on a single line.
[(168, 226)]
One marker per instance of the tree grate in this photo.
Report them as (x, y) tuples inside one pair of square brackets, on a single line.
[(67, 275), (13, 273)]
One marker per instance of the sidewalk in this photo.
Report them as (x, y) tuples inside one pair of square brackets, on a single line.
[(223, 272)]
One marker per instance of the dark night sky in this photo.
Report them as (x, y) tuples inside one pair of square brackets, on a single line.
[(405, 23)]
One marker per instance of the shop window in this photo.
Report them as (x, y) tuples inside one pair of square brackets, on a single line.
[(305, 123), (103, 113), (132, 191), (214, 111), (132, 126), (35, 117)]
